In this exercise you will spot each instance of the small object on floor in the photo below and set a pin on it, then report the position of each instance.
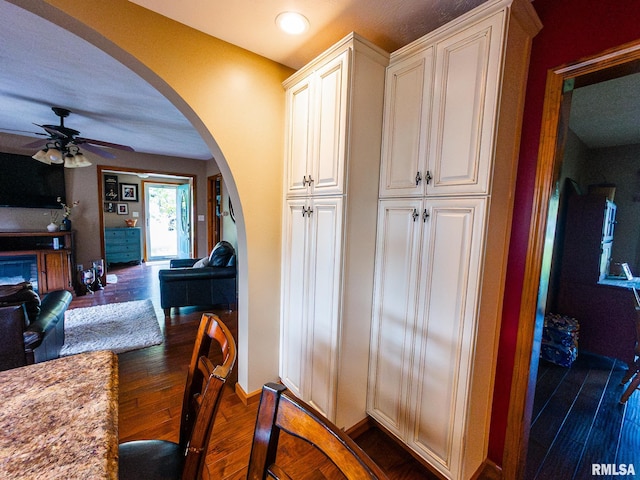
(559, 339)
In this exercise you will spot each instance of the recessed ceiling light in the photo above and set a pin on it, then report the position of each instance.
(292, 23)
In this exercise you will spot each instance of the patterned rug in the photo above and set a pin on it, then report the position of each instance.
(119, 327)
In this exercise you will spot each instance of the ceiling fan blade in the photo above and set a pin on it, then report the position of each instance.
(80, 140)
(98, 151)
(37, 144)
(21, 131)
(53, 130)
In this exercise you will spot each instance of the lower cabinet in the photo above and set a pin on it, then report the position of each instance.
(310, 303)
(424, 324)
(122, 245)
(55, 268)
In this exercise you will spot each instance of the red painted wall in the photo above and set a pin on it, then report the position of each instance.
(572, 29)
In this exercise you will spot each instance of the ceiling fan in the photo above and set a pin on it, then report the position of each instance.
(62, 144)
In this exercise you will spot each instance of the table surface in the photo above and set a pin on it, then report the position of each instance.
(59, 419)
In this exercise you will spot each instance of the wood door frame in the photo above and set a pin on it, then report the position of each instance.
(548, 166)
(102, 169)
(214, 222)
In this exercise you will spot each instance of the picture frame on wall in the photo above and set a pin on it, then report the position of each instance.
(128, 192)
(109, 207)
(123, 209)
(111, 188)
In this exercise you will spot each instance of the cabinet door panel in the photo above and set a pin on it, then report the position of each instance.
(331, 86)
(294, 292)
(446, 327)
(324, 304)
(406, 124)
(396, 279)
(57, 271)
(298, 146)
(464, 110)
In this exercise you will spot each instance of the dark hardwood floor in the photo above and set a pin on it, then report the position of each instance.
(577, 420)
(152, 382)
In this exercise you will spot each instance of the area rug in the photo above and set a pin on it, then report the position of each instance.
(119, 327)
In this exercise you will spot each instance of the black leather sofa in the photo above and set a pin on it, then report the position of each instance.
(23, 341)
(204, 282)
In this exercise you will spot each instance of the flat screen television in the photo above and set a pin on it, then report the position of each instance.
(25, 182)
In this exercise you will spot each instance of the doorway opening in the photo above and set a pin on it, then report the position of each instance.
(540, 284)
(168, 215)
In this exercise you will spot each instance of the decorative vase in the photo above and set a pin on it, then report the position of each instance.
(65, 226)
(52, 227)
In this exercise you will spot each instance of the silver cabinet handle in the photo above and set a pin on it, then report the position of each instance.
(428, 177)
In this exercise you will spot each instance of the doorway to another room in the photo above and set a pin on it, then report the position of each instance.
(168, 220)
(147, 215)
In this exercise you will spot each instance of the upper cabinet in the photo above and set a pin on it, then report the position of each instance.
(441, 109)
(406, 124)
(317, 110)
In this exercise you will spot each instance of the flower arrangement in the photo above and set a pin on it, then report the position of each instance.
(66, 209)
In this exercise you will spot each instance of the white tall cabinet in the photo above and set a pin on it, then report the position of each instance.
(453, 104)
(332, 147)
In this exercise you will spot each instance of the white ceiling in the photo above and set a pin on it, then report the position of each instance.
(43, 65)
(607, 114)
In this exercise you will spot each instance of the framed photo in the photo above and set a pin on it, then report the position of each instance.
(109, 207)
(111, 188)
(123, 209)
(128, 192)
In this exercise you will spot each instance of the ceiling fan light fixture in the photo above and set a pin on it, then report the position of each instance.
(81, 160)
(41, 156)
(55, 156)
(293, 23)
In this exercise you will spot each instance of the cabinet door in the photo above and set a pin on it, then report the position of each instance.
(445, 329)
(467, 82)
(407, 113)
(324, 259)
(298, 140)
(331, 85)
(293, 329)
(394, 310)
(56, 270)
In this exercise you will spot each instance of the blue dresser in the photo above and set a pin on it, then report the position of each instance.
(122, 245)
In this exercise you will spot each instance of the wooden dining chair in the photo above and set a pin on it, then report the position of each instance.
(280, 411)
(161, 459)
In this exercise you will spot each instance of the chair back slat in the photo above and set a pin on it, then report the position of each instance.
(203, 392)
(280, 411)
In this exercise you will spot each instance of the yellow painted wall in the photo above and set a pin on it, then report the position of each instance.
(236, 102)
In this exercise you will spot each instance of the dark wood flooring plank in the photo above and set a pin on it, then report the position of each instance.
(544, 430)
(568, 447)
(602, 444)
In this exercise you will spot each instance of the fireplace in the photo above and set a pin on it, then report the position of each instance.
(19, 268)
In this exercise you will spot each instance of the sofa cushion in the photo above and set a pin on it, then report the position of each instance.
(21, 293)
(203, 262)
(221, 254)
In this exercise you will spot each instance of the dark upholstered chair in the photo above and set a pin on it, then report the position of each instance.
(160, 459)
(280, 411)
(29, 325)
(204, 282)
(12, 324)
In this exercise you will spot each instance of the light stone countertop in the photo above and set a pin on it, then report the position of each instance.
(59, 419)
